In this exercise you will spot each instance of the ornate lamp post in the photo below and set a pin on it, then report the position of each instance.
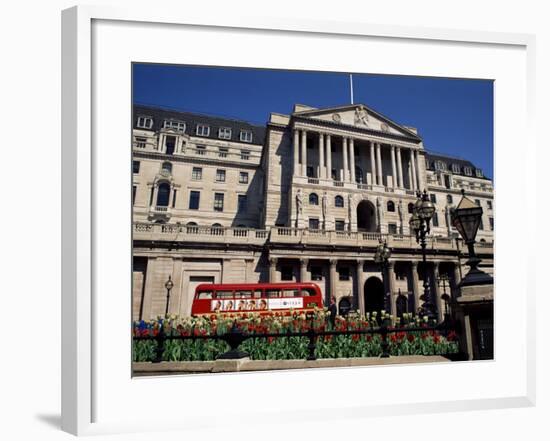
(420, 223)
(168, 285)
(381, 257)
(466, 218)
(443, 282)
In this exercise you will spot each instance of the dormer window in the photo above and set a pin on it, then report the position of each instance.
(224, 133)
(144, 122)
(479, 173)
(203, 130)
(440, 165)
(456, 168)
(468, 171)
(178, 126)
(246, 136)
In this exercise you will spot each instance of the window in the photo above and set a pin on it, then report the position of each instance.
(224, 133)
(492, 223)
(223, 152)
(478, 203)
(468, 171)
(340, 225)
(359, 175)
(410, 208)
(196, 174)
(449, 198)
(440, 165)
(141, 142)
(174, 125)
(343, 273)
(203, 130)
(201, 150)
(313, 199)
(242, 204)
(167, 167)
(220, 175)
(433, 198)
(338, 201)
(246, 136)
(479, 173)
(490, 205)
(316, 273)
(134, 190)
(163, 195)
(287, 273)
(243, 178)
(392, 228)
(332, 174)
(313, 224)
(170, 144)
(144, 122)
(135, 166)
(391, 206)
(456, 168)
(194, 200)
(481, 224)
(435, 220)
(218, 201)
(245, 155)
(309, 171)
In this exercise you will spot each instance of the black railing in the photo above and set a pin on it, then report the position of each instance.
(235, 336)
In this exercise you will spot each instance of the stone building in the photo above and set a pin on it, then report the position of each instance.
(305, 197)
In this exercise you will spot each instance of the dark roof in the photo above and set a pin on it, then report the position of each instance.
(192, 119)
(432, 157)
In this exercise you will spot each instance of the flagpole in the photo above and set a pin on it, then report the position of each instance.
(351, 87)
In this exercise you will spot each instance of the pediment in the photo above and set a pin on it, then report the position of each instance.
(358, 116)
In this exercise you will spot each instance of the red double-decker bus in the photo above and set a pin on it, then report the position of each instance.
(255, 297)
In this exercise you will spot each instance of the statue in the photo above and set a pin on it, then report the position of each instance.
(379, 214)
(361, 116)
(350, 204)
(325, 205)
(400, 212)
(299, 202)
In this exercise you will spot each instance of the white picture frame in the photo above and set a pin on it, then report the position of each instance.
(84, 387)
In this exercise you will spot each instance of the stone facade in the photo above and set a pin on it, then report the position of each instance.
(306, 197)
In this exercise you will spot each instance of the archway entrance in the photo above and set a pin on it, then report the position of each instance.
(366, 216)
(374, 294)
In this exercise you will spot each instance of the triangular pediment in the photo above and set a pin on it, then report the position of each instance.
(358, 116)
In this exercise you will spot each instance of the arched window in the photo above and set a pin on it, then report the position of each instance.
(391, 206)
(167, 167)
(217, 230)
(410, 208)
(313, 199)
(359, 178)
(216, 225)
(338, 201)
(192, 227)
(163, 195)
(483, 241)
(449, 198)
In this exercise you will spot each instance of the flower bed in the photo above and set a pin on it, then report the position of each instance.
(402, 342)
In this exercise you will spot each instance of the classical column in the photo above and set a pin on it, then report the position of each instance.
(333, 276)
(296, 152)
(438, 301)
(352, 159)
(304, 153)
(148, 290)
(457, 278)
(272, 269)
(329, 158)
(409, 174)
(379, 163)
(416, 293)
(399, 168)
(345, 155)
(303, 270)
(391, 288)
(419, 174)
(360, 286)
(393, 169)
(372, 164)
(413, 166)
(321, 156)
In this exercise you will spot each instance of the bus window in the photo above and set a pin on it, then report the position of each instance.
(306, 292)
(243, 294)
(257, 294)
(290, 293)
(272, 293)
(204, 295)
(224, 294)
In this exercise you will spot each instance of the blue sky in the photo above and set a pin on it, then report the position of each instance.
(453, 116)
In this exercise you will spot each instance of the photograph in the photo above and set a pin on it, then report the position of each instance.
(287, 219)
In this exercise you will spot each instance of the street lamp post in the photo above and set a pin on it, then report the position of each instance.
(381, 257)
(168, 285)
(420, 223)
(443, 282)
